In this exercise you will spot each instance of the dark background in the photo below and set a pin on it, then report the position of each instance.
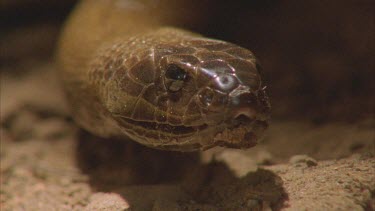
(317, 56)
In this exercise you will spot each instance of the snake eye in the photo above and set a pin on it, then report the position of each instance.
(174, 72)
(175, 77)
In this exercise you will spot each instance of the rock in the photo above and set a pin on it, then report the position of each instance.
(263, 157)
(52, 128)
(300, 159)
(107, 201)
(20, 124)
(237, 161)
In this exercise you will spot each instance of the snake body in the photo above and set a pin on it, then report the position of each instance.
(128, 73)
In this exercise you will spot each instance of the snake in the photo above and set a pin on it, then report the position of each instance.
(130, 72)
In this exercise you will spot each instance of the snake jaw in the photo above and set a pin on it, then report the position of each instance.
(248, 116)
(163, 127)
(244, 135)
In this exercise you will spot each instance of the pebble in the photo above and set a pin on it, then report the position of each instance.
(107, 201)
(52, 128)
(21, 125)
(303, 159)
(264, 157)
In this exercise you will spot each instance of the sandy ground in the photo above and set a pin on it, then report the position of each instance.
(318, 153)
(48, 163)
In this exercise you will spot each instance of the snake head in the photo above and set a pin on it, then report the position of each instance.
(185, 93)
(230, 95)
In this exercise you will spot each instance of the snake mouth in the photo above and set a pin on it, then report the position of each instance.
(241, 135)
(164, 127)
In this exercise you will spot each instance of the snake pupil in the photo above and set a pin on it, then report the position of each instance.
(175, 77)
(174, 86)
(174, 72)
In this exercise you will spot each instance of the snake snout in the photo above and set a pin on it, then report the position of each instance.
(248, 106)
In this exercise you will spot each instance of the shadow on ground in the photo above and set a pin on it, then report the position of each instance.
(145, 177)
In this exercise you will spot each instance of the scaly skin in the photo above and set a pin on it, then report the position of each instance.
(127, 74)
